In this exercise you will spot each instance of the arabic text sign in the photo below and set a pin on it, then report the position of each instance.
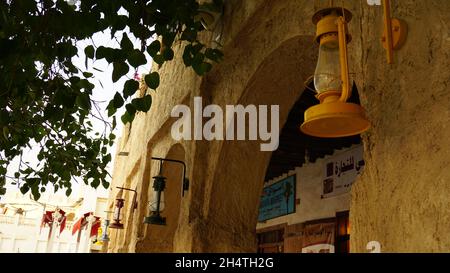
(319, 238)
(278, 199)
(341, 171)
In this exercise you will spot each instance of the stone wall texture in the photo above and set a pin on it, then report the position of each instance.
(401, 200)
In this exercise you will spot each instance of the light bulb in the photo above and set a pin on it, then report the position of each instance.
(154, 202)
(327, 76)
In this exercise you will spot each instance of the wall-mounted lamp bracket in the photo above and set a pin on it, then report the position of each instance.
(185, 180)
(135, 203)
(395, 32)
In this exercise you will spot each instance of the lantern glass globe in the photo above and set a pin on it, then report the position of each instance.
(154, 202)
(327, 76)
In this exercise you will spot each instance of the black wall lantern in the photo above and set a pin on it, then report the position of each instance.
(159, 184)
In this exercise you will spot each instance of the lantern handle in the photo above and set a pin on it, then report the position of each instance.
(346, 92)
(184, 181)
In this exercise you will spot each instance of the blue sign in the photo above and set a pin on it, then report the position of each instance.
(278, 199)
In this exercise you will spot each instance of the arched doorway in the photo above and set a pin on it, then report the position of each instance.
(236, 186)
(318, 207)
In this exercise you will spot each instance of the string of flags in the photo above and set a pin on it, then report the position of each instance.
(81, 223)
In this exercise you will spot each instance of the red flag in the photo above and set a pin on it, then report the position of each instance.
(77, 225)
(47, 219)
(80, 223)
(95, 226)
(62, 221)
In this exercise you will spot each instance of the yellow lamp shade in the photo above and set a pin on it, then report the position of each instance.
(337, 119)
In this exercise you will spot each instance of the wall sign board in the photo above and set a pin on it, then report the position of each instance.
(278, 199)
(341, 170)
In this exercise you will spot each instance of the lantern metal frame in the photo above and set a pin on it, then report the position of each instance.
(105, 237)
(159, 185)
(120, 202)
(334, 116)
(116, 224)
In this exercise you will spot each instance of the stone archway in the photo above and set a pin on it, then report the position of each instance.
(232, 205)
(161, 238)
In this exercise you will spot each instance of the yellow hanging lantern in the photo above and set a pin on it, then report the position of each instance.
(334, 116)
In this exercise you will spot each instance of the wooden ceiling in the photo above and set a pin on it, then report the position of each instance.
(294, 145)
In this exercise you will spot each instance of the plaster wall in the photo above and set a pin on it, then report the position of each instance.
(401, 200)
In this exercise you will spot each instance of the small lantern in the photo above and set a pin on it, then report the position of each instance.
(334, 116)
(105, 237)
(159, 184)
(156, 208)
(118, 206)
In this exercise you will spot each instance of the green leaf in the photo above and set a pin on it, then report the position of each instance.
(131, 109)
(168, 39)
(201, 68)
(87, 74)
(107, 158)
(105, 184)
(127, 117)
(111, 109)
(36, 195)
(189, 34)
(101, 52)
(24, 189)
(168, 54)
(95, 183)
(68, 192)
(214, 54)
(83, 101)
(136, 58)
(130, 87)
(119, 70)
(187, 55)
(89, 51)
(118, 100)
(154, 48)
(152, 80)
(125, 43)
(114, 124)
(146, 103)
(159, 59)
(143, 104)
